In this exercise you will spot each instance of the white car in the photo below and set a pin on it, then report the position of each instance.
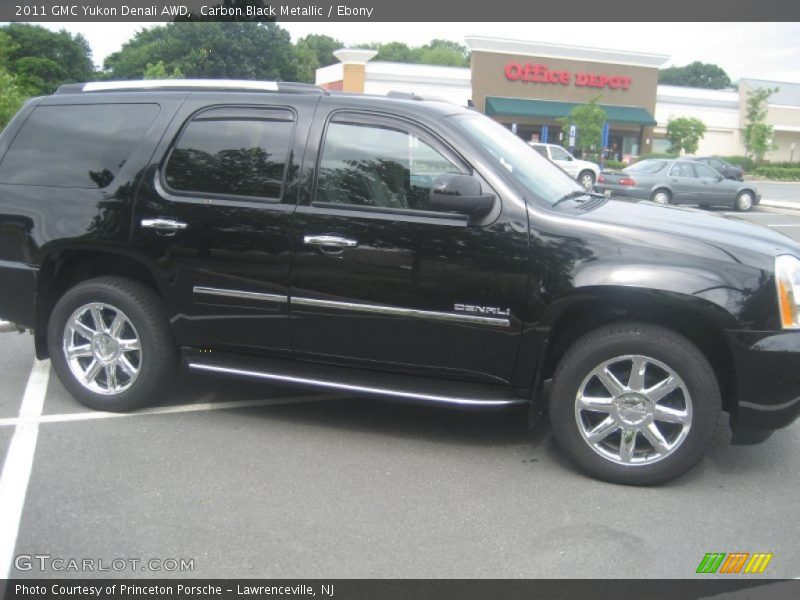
(583, 171)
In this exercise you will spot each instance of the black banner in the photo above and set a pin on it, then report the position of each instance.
(401, 589)
(391, 10)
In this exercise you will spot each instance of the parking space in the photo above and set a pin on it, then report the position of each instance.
(250, 480)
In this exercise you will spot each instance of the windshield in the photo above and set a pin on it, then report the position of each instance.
(535, 173)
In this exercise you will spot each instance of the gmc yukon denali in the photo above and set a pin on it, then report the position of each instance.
(388, 247)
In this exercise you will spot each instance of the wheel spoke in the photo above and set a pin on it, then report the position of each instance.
(129, 345)
(97, 317)
(595, 404)
(656, 438)
(79, 351)
(111, 376)
(671, 415)
(662, 389)
(92, 371)
(627, 444)
(636, 379)
(609, 381)
(605, 428)
(82, 330)
(126, 366)
(116, 325)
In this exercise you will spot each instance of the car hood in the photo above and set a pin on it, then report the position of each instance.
(734, 236)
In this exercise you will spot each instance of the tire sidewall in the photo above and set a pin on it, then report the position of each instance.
(147, 379)
(683, 358)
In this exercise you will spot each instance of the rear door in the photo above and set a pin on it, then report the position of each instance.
(379, 279)
(215, 216)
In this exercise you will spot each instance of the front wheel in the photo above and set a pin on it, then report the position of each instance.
(111, 345)
(586, 179)
(744, 201)
(634, 403)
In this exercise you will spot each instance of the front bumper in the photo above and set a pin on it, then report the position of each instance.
(767, 370)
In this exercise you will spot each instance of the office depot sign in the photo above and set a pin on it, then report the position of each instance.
(538, 73)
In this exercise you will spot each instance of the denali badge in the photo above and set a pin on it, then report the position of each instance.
(483, 310)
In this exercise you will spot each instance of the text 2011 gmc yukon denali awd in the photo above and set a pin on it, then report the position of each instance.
(390, 247)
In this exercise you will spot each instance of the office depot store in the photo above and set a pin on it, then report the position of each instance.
(528, 86)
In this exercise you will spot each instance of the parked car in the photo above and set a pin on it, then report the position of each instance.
(678, 182)
(385, 247)
(583, 171)
(723, 167)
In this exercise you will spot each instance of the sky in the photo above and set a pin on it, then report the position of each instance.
(750, 50)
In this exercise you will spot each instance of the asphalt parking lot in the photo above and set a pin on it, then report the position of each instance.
(255, 481)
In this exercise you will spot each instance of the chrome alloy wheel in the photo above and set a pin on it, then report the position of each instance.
(638, 422)
(102, 348)
(661, 198)
(745, 201)
(587, 181)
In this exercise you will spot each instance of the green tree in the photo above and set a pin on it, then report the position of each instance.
(757, 133)
(159, 71)
(214, 50)
(696, 74)
(12, 97)
(313, 52)
(588, 120)
(685, 133)
(41, 59)
(437, 52)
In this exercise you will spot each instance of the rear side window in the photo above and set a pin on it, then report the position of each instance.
(75, 146)
(541, 150)
(232, 152)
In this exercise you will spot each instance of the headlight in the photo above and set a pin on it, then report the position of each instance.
(787, 278)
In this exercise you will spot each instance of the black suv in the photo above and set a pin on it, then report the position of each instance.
(724, 168)
(390, 247)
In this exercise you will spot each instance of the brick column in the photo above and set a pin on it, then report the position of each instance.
(354, 68)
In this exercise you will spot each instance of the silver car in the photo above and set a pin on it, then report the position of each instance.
(678, 182)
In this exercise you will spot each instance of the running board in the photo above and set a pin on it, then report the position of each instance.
(362, 382)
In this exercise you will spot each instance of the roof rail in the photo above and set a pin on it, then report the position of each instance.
(403, 95)
(191, 84)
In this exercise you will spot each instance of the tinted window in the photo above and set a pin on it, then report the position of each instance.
(646, 166)
(704, 171)
(559, 153)
(372, 165)
(230, 152)
(682, 169)
(77, 146)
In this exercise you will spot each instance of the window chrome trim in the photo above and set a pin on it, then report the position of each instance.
(434, 398)
(212, 291)
(402, 312)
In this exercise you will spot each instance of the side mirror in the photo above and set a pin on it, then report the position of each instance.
(460, 193)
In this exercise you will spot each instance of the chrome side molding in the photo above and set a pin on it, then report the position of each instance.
(358, 389)
(212, 291)
(403, 312)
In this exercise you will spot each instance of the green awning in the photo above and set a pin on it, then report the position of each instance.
(551, 109)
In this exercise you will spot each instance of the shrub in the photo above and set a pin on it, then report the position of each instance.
(615, 165)
(779, 173)
(655, 155)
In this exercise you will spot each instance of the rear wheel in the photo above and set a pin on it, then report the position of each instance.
(634, 403)
(744, 201)
(586, 179)
(661, 196)
(111, 345)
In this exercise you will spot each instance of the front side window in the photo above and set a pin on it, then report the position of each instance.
(378, 166)
(76, 146)
(706, 172)
(559, 153)
(232, 153)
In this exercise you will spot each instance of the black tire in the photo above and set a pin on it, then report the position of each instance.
(660, 193)
(144, 311)
(661, 344)
(745, 201)
(587, 179)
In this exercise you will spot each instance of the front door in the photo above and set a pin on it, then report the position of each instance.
(215, 216)
(379, 279)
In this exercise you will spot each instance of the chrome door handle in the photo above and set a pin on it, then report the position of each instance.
(329, 241)
(166, 225)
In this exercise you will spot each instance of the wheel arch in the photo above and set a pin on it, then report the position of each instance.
(700, 321)
(62, 269)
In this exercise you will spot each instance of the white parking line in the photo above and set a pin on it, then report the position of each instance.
(165, 410)
(19, 461)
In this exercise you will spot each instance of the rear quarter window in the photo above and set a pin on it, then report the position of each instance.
(75, 146)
